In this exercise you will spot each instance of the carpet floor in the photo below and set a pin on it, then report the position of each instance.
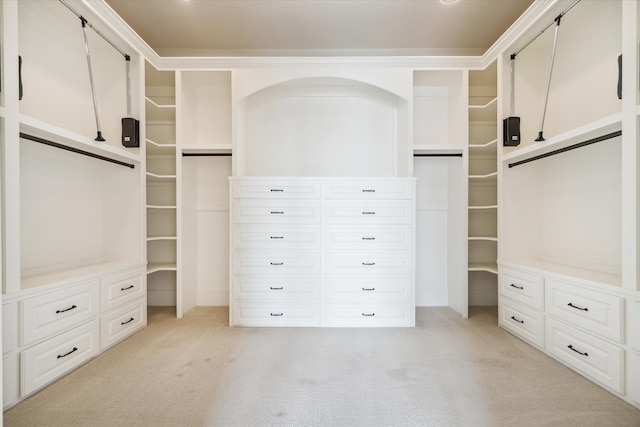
(447, 371)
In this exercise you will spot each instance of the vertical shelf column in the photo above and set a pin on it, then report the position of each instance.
(160, 148)
(483, 201)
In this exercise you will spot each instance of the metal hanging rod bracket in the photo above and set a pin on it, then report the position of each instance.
(74, 150)
(85, 22)
(555, 20)
(569, 148)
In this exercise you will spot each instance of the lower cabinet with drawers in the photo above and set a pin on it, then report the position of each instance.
(53, 329)
(322, 252)
(592, 328)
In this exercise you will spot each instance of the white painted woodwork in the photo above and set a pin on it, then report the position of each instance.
(363, 260)
(522, 287)
(522, 321)
(122, 322)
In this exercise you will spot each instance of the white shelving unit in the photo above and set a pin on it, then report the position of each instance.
(483, 186)
(161, 178)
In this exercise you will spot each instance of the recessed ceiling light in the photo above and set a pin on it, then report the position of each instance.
(448, 1)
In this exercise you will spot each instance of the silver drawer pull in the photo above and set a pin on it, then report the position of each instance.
(277, 190)
(60, 356)
(516, 319)
(277, 237)
(368, 289)
(368, 238)
(128, 321)
(276, 288)
(276, 314)
(517, 287)
(368, 191)
(127, 288)
(66, 309)
(368, 213)
(277, 213)
(368, 263)
(368, 314)
(276, 263)
(578, 308)
(578, 351)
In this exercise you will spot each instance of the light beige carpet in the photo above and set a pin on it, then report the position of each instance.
(447, 371)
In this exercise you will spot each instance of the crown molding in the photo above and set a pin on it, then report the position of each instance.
(117, 25)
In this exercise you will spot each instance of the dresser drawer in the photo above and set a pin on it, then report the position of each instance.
(522, 321)
(283, 263)
(122, 288)
(594, 311)
(276, 314)
(276, 189)
(522, 287)
(368, 289)
(276, 237)
(370, 314)
(587, 354)
(276, 288)
(276, 212)
(123, 322)
(633, 324)
(369, 263)
(49, 360)
(53, 312)
(354, 190)
(372, 237)
(399, 212)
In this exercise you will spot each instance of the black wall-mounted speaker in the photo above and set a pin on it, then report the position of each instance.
(130, 132)
(511, 131)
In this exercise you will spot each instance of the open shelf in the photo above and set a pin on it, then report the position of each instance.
(487, 267)
(565, 272)
(153, 267)
(207, 149)
(487, 112)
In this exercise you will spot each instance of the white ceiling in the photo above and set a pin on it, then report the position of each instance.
(319, 27)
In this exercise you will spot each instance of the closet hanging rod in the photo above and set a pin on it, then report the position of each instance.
(74, 150)
(83, 19)
(438, 155)
(555, 20)
(206, 154)
(570, 147)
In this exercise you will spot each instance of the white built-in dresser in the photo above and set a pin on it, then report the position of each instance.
(322, 252)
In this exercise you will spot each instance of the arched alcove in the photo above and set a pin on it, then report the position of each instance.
(323, 126)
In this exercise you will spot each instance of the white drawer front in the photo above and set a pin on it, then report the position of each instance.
(373, 212)
(368, 263)
(633, 376)
(633, 324)
(123, 322)
(276, 288)
(594, 311)
(369, 289)
(53, 312)
(47, 361)
(122, 288)
(599, 360)
(522, 321)
(354, 190)
(370, 314)
(276, 314)
(371, 237)
(276, 212)
(277, 263)
(276, 189)
(525, 288)
(276, 237)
